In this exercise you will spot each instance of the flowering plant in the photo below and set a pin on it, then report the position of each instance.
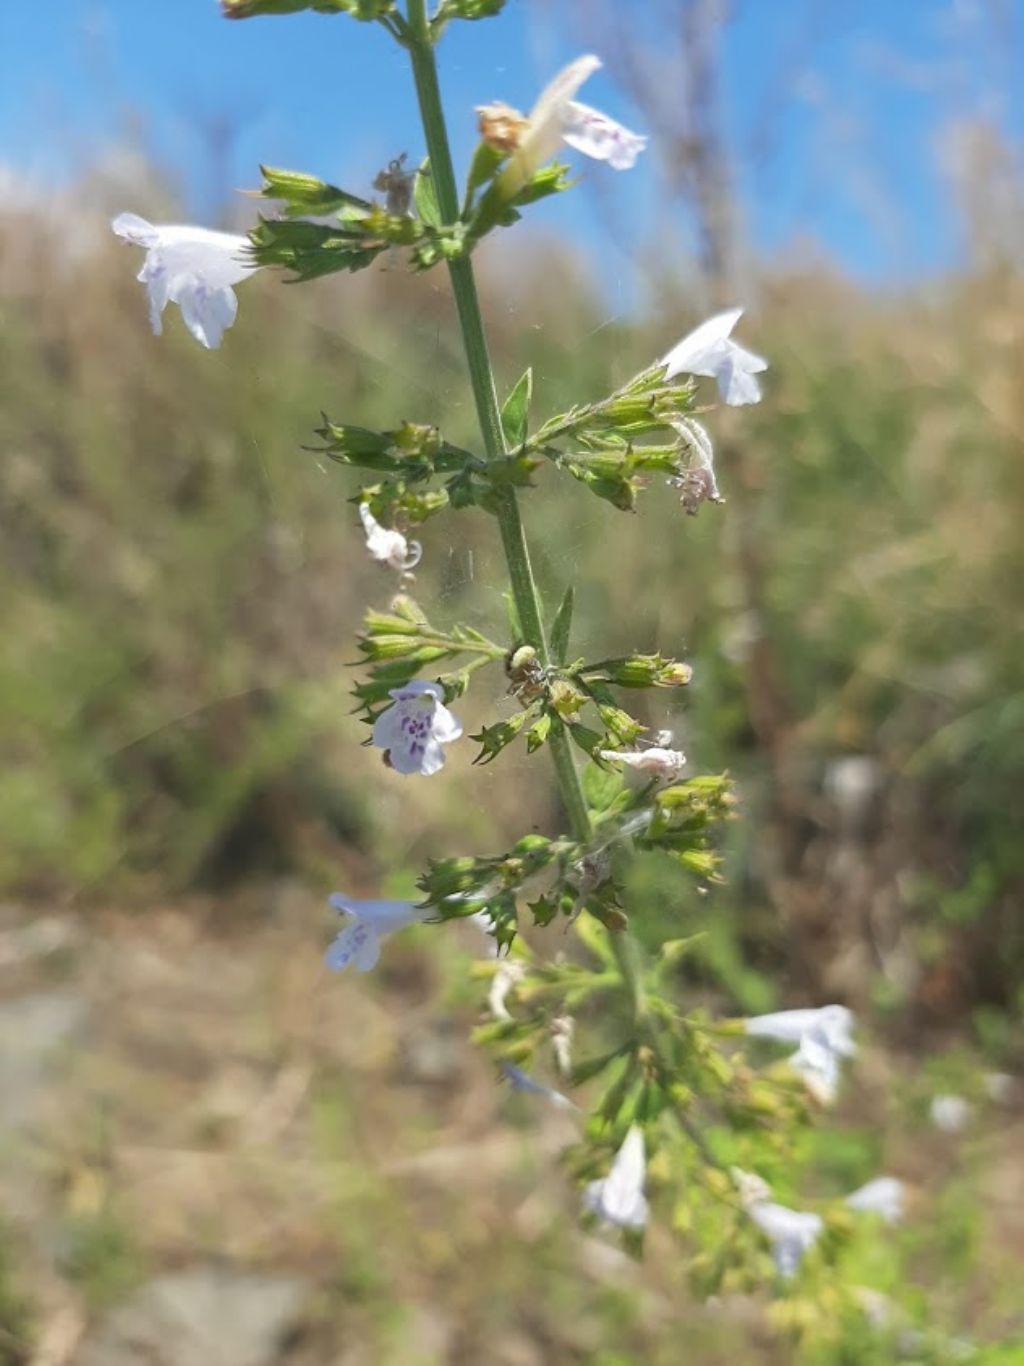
(675, 1107)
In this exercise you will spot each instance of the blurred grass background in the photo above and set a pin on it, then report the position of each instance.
(182, 780)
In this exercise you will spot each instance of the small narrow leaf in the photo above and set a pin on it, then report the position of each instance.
(561, 626)
(538, 733)
(485, 163)
(590, 741)
(425, 196)
(493, 739)
(516, 411)
(600, 787)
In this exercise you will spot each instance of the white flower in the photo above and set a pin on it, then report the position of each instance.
(522, 1081)
(831, 1026)
(662, 763)
(194, 268)
(618, 1198)
(562, 1029)
(820, 1067)
(388, 546)
(792, 1233)
(823, 1037)
(951, 1114)
(359, 941)
(413, 730)
(709, 351)
(557, 118)
(884, 1196)
(508, 975)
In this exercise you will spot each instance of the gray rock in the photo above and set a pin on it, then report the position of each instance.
(33, 1032)
(206, 1317)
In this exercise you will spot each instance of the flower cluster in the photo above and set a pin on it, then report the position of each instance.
(637, 1071)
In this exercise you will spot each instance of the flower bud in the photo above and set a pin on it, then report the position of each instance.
(643, 671)
(501, 126)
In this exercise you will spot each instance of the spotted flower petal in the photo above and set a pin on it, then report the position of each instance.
(413, 730)
(358, 943)
(598, 136)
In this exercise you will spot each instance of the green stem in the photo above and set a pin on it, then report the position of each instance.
(481, 374)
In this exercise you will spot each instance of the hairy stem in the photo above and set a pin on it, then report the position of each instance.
(513, 537)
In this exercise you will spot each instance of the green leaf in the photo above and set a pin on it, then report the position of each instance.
(251, 9)
(483, 168)
(516, 411)
(590, 741)
(588, 1068)
(358, 9)
(493, 739)
(311, 249)
(561, 626)
(425, 196)
(496, 209)
(601, 787)
(467, 9)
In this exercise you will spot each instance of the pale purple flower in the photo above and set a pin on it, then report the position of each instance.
(709, 350)
(194, 268)
(522, 1081)
(618, 1198)
(823, 1037)
(792, 1233)
(657, 761)
(388, 546)
(831, 1026)
(359, 942)
(412, 731)
(820, 1067)
(884, 1196)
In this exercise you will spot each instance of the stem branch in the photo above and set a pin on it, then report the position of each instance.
(481, 374)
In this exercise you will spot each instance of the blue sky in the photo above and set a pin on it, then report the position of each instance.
(837, 121)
